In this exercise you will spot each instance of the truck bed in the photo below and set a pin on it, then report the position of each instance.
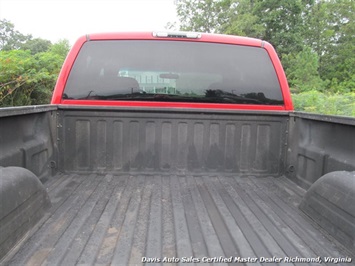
(125, 218)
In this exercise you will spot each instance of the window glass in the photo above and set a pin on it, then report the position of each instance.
(182, 71)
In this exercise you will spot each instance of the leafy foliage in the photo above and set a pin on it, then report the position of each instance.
(283, 23)
(325, 103)
(243, 21)
(36, 45)
(9, 37)
(302, 70)
(202, 15)
(27, 79)
(28, 67)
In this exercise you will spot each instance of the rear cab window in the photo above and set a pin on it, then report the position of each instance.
(173, 71)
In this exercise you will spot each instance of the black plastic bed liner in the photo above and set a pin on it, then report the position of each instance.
(122, 219)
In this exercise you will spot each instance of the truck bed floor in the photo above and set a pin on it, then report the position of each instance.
(122, 219)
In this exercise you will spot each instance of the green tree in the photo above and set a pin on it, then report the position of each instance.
(29, 79)
(202, 15)
(318, 31)
(16, 70)
(36, 46)
(278, 21)
(28, 67)
(302, 70)
(340, 61)
(283, 24)
(9, 37)
(242, 20)
(61, 48)
(330, 31)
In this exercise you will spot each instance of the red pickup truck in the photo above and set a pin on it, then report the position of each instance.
(173, 148)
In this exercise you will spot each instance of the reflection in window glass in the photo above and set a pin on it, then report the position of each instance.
(179, 71)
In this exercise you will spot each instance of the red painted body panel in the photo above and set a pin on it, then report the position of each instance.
(176, 105)
(212, 38)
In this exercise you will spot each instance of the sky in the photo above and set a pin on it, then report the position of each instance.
(69, 19)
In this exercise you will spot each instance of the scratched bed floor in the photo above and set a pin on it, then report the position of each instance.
(117, 219)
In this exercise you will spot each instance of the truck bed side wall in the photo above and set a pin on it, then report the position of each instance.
(28, 138)
(118, 139)
(319, 144)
